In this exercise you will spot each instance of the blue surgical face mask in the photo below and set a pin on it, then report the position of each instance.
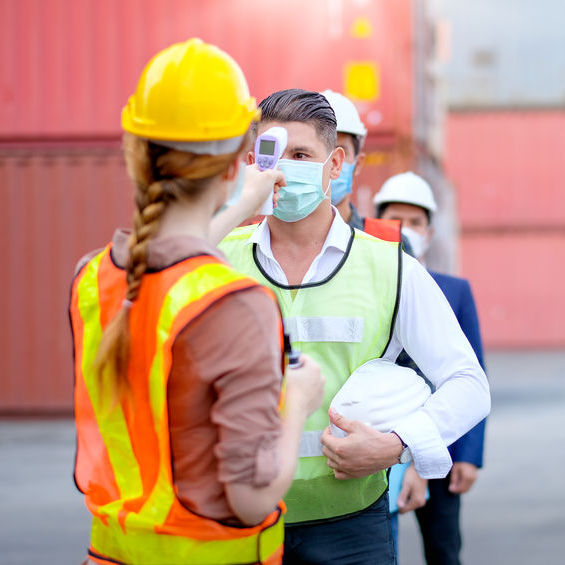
(234, 197)
(342, 185)
(303, 192)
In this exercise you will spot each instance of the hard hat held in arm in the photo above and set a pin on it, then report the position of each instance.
(348, 120)
(380, 394)
(191, 92)
(408, 188)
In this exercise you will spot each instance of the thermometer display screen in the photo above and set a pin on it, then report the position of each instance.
(267, 147)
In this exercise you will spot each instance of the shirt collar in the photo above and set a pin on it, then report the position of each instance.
(338, 236)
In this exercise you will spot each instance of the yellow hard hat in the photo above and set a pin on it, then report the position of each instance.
(191, 91)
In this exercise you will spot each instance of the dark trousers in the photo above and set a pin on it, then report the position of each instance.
(362, 539)
(439, 524)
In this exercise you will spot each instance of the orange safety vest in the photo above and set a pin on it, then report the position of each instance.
(123, 461)
(389, 230)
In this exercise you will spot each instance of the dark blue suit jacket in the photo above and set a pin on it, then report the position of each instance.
(468, 448)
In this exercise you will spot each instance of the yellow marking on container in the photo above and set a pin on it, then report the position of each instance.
(361, 28)
(376, 158)
(362, 80)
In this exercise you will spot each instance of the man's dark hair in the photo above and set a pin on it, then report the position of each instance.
(297, 105)
(380, 210)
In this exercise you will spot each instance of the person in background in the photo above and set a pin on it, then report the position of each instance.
(351, 133)
(409, 198)
(183, 454)
(345, 302)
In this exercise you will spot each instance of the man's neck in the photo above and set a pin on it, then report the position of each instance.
(296, 244)
(344, 208)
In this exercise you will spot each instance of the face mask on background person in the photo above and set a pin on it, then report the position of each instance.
(418, 242)
(235, 195)
(342, 185)
(303, 192)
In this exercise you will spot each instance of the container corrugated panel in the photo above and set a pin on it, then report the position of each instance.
(517, 283)
(508, 168)
(68, 67)
(57, 207)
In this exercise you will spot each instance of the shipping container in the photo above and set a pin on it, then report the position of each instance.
(505, 54)
(68, 67)
(517, 283)
(508, 168)
(58, 205)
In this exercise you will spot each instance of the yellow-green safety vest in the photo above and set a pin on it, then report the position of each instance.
(342, 322)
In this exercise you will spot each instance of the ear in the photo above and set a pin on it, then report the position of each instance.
(360, 163)
(232, 170)
(250, 158)
(336, 162)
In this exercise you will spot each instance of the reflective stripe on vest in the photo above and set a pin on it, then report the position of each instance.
(342, 322)
(324, 328)
(123, 463)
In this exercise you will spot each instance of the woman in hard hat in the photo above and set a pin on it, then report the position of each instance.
(181, 453)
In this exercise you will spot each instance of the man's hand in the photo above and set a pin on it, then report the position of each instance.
(413, 493)
(463, 475)
(363, 452)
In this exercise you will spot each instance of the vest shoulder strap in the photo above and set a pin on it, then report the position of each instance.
(389, 230)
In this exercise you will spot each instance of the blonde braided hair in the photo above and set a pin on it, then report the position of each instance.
(161, 176)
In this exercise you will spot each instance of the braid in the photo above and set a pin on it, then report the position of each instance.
(150, 201)
(161, 176)
(146, 219)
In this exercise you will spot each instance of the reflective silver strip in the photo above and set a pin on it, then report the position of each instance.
(310, 444)
(214, 147)
(325, 328)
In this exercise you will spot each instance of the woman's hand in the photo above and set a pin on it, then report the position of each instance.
(258, 185)
(257, 188)
(305, 386)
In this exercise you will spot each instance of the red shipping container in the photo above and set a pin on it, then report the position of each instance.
(68, 67)
(508, 167)
(516, 279)
(57, 206)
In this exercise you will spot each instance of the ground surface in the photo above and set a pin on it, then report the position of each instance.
(515, 514)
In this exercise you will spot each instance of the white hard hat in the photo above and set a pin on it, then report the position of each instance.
(408, 188)
(348, 120)
(379, 394)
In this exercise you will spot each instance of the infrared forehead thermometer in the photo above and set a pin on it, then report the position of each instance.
(269, 148)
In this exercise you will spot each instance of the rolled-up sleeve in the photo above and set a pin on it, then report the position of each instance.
(245, 372)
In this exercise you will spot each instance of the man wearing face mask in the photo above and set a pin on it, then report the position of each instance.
(409, 198)
(348, 298)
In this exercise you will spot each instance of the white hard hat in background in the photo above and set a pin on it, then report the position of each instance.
(408, 188)
(348, 120)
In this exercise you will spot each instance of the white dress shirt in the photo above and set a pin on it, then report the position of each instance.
(428, 330)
